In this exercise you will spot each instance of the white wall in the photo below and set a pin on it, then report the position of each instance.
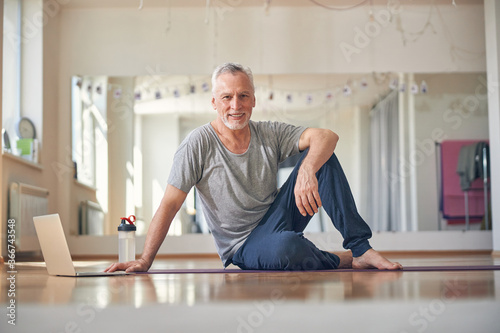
(352, 126)
(123, 42)
(120, 140)
(160, 139)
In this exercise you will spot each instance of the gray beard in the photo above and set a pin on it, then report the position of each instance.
(234, 127)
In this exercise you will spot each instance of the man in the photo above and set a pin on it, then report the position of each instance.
(233, 162)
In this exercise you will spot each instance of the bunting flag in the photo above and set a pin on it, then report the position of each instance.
(414, 88)
(309, 99)
(347, 90)
(364, 83)
(117, 93)
(423, 87)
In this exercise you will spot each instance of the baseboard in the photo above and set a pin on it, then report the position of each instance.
(437, 253)
(188, 256)
(94, 257)
(413, 241)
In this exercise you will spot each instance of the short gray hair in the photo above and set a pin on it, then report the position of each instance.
(232, 68)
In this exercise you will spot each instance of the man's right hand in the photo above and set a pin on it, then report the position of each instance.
(130, 266)
(158, 229)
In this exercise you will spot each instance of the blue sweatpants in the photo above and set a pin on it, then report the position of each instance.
(278, 242)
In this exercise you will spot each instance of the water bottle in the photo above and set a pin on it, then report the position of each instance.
(126, 239)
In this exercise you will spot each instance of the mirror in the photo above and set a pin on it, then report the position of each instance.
(126, 131)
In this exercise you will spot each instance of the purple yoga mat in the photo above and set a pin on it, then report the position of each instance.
(405, 269)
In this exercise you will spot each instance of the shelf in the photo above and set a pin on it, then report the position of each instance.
(21, 160)
(85, 186)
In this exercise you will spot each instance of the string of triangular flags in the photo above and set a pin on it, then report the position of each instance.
(348, 89)
(291, 96)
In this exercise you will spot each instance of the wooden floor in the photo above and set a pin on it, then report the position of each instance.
(463, 301)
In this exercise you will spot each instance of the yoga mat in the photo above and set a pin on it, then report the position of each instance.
(405, 269)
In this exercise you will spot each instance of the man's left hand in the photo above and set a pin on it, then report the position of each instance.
(306, 192)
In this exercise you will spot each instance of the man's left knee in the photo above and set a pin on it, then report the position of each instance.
(295, 251)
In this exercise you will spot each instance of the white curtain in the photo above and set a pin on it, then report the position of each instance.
(385, 194)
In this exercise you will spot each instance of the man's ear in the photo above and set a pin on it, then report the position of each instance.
(213, 103)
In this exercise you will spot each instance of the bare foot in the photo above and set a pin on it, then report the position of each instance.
(373, 259)
(345, 259)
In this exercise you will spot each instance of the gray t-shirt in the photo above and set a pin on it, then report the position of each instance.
(236, 190)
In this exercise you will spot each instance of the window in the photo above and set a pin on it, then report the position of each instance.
(11, 67)
(89, 129)
(23, 75)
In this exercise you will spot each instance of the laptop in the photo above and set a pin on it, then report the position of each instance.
(55, 249)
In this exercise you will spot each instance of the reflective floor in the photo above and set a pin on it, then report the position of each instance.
(462, 301)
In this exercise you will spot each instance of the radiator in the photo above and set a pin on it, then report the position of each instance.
(25, 202)
(91, 218)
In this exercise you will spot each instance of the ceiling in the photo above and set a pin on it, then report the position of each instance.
(332, 4)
